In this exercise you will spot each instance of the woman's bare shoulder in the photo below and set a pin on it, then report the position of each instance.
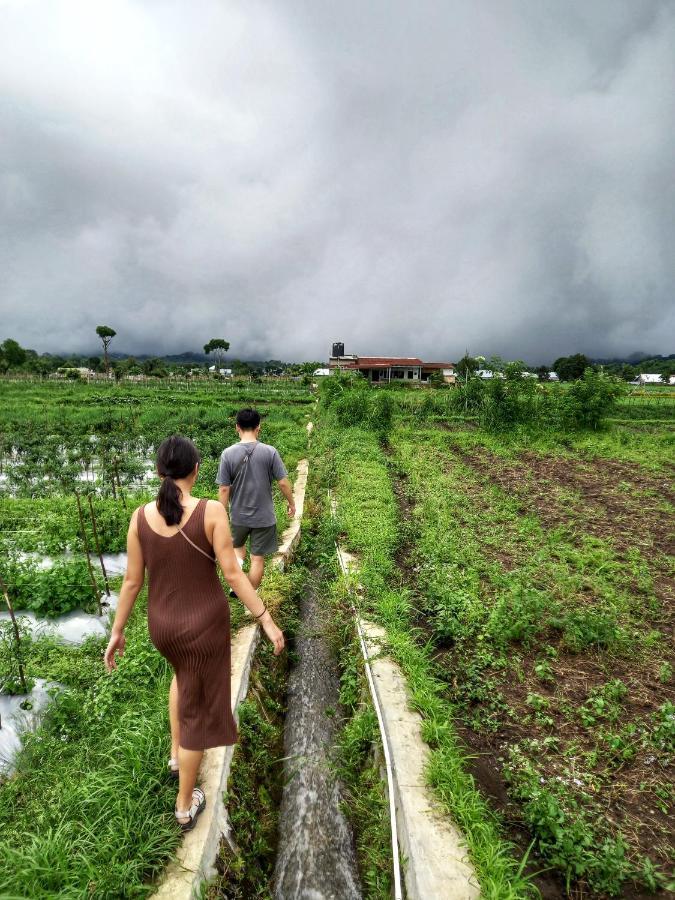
(214, 509)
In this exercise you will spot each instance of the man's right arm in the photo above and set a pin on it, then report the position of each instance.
(223, 481)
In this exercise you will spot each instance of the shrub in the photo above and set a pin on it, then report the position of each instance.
(588, 401)
(12, 655)
(50, 592)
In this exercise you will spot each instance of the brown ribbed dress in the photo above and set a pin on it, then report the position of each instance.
(189, 623)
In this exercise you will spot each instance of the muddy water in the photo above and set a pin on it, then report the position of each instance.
(316, 858)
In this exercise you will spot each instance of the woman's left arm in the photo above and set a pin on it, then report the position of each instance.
(134, 578)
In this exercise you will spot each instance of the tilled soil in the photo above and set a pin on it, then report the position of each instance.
(606, 498)
(614, 501)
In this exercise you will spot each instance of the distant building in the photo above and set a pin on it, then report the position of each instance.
(321, 372)
(69, 372)
(387, 369)
(226, 373)
(652, 378)
(487, 374)
(553, 376)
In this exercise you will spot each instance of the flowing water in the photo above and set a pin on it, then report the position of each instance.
(316, 858)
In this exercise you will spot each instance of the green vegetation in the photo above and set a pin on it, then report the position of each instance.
(106, 334)
(514, 541)
(50, 592)
(219, 347)
(504, 561)
(351, 462)
(22, 363)
(89, 810)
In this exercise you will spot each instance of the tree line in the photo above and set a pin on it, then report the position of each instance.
(17, 359)
(571, 368)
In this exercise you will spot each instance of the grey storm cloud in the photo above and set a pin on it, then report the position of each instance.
(409, 178)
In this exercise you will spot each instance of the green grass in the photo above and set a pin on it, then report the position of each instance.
(89, 811)
(487, 606)
(353, 465)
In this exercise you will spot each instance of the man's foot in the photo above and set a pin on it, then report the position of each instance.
(232, 594)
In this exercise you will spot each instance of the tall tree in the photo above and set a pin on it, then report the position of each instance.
(467, 366)
(13, 353)
(569, 368)
(106, 333)
(219, 347)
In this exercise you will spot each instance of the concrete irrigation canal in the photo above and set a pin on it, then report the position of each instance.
(316, 855)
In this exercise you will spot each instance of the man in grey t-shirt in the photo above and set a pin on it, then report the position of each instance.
(245, 476)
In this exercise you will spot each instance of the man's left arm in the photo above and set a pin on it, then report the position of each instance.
(285, 486)
(287, 490)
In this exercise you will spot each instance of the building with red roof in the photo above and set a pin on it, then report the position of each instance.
(386, 369)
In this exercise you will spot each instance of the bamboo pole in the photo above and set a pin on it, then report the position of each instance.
(119, 484)
(85, 541)
(97, 544)
(17, 636)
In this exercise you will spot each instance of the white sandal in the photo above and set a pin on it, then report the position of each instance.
(198, 806)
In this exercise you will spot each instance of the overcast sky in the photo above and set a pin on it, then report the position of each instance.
(412, 178)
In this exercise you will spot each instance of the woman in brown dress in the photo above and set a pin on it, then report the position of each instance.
(179, 539)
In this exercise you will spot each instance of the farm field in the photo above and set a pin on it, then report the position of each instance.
(87, 808)
(525, 582)
(527, 585)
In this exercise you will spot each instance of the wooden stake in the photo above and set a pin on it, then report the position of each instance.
(17, 636)
(98, 545)
(85, 541)
(119, 484)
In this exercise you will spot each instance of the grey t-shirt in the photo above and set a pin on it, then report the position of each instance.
(251, 494)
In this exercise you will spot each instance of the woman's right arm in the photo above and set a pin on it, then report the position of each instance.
(134, 578)
(238, 581)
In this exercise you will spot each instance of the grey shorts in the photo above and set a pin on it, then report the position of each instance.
(264, 541)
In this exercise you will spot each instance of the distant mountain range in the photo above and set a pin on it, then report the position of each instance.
(191, 357)
(634, 359)
(640, 359)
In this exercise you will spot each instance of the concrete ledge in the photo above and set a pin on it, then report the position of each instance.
(195, 858)
(437, 858)
(291, 535)
(437, 864)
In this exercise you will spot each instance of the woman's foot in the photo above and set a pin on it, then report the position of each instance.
(187, 818)
(173, 767)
